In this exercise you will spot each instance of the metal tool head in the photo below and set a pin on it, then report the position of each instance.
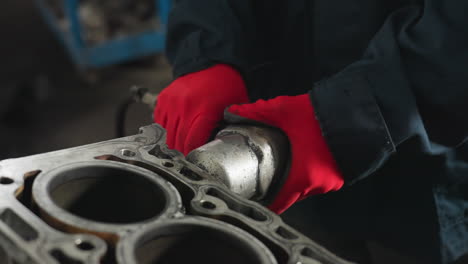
(246, 159)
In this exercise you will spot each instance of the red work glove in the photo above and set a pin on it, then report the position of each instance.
(313, 169)
(193, 105)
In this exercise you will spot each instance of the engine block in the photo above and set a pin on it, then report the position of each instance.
(131, 200)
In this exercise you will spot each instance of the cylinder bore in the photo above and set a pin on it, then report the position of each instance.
(105, 193)
(206, 242)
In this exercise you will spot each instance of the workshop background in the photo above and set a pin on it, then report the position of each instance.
(46, 103)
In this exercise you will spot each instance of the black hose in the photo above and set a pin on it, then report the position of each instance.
(137, 94)
(122, 116)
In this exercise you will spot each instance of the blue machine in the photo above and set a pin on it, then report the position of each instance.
(111, 52)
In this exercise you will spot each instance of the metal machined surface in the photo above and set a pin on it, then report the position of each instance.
(244, 158)
(131, 200)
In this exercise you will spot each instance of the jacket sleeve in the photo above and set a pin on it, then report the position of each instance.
(410, 87)
(202, 33)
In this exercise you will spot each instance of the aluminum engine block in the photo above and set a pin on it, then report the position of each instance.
(131, 200)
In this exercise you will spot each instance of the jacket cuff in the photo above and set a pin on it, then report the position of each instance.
(194, 65)
(352, 124)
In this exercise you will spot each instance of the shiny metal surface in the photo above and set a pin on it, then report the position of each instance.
(246, 159)
(132, 200)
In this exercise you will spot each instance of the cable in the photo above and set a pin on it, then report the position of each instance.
(122, 115)
(137, 95)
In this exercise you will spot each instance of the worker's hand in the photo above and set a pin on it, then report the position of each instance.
(193, 105)
(313, 169)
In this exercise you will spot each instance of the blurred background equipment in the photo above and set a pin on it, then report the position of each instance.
(46, 102)
(98, 33)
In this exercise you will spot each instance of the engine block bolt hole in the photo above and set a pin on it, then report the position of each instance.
(168, 164)
(208, 205)
(84, 245)
(5, 180)
(128, 153)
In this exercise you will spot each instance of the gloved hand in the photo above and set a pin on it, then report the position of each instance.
(193, 105)
(313, 169)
